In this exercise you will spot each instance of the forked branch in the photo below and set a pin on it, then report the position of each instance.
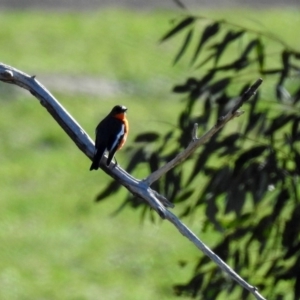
(197, 142)
(139, 188)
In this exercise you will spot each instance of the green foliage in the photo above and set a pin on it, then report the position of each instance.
(55, 242)
(83, 43)
(245, 178)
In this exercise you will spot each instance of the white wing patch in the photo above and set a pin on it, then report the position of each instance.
(119, 136)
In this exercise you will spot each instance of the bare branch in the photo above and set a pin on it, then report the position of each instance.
(185, 231)
(79, 136)
(197, 142)
(139, 188)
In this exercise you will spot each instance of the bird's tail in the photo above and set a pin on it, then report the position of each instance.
(97, 158)
(94, 165)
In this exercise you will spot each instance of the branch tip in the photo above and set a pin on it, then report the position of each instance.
(247, 95)
(239, 113)
(194, 132)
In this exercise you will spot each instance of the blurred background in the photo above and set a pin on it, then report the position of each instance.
(55, 241)
(140, 4)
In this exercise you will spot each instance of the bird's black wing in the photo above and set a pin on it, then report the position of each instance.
(115, 140)
(102, 136)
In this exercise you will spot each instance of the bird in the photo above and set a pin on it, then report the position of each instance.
(111, 134)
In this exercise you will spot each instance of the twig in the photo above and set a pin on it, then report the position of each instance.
(185, 231)
(197, 142)
(140, 188)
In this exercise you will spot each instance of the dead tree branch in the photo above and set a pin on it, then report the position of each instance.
(139, 188)
(197, 142)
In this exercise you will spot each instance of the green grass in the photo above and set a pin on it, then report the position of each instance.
(56, 243)
(115, 43)
(105, 42)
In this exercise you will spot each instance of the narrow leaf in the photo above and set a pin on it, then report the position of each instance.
(295, 127)
(260, 51)
(207, 34)
(184, 23)
(281, 201)
(112, 188)
(229, 38)
(279, 122)
(180, 4)
(206, 60)
(138, 156)
(236, 65)
(147, 137)
(271, 71)
(249, 47)
(253, 121)
(181, 89)
(285, 56)
(207, 78)
(154, 162)
(292, 250)
(230, 140)
(185, 196)
(190, 85)
(184, 46)
(247, 156)
(235, 199)
(296, 55)
(219, 85)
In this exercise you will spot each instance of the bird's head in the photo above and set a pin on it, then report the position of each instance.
(119, 111)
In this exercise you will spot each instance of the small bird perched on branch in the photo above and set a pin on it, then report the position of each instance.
(111, 134)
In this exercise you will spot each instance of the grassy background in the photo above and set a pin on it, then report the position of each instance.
(55, 242)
